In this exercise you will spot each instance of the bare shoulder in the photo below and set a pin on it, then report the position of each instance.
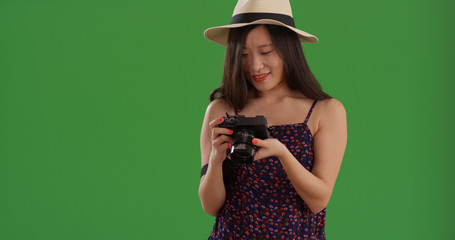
(327, 112)
(331, 110)
(217, 108)
(331, 106)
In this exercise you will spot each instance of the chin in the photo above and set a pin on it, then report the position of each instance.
(262, 88)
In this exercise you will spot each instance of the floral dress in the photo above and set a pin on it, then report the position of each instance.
(261, 202)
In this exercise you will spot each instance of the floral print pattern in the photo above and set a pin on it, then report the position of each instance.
(261, 202)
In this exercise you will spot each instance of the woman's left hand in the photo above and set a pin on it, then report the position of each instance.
(269, 147)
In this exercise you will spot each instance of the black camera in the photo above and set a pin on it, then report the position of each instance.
(244, 130)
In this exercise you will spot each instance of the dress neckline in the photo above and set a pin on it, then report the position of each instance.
(295, 124)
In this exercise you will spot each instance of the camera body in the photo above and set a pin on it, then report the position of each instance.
(244, 130)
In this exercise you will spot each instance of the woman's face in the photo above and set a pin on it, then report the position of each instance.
(260, 62)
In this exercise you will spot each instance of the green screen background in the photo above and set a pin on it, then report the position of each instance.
(101, 106)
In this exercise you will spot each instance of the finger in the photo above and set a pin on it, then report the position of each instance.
(216, 132)
(221, 140)
(221, 149)
(226, 145)
(258, 142)
(221, 145)
(215, 122)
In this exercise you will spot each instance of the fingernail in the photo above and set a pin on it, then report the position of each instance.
(231, 131)
(220, 119)
(255, 141)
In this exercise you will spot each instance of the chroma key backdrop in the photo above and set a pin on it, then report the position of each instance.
(101, 106)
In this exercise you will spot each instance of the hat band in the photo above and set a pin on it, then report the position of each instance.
(251, 17)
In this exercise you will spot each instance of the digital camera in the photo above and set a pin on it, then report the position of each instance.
(244, 130)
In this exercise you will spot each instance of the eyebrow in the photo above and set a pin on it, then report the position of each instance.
(263, 45)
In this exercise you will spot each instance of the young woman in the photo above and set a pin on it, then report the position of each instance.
(284, 193)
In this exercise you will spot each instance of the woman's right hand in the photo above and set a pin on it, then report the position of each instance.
(221, 141)
(214, 144)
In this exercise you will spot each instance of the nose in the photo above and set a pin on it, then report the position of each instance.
(256, 63)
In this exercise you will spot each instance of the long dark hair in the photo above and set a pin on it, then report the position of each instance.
(297, 74)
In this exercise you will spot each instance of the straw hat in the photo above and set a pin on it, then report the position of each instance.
(248, 12)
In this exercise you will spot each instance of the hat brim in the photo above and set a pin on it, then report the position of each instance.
(220, 34)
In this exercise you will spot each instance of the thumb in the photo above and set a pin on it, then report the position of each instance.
(258, 142)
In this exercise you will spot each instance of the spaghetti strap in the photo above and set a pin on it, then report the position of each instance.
(309, 112)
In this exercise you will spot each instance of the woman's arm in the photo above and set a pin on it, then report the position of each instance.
(315, 187)
(214, 143)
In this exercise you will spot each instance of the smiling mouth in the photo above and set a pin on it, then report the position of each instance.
(261, 77)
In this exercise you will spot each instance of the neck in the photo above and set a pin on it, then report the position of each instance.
(276, 95)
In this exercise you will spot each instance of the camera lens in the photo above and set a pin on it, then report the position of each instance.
(243, 150)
